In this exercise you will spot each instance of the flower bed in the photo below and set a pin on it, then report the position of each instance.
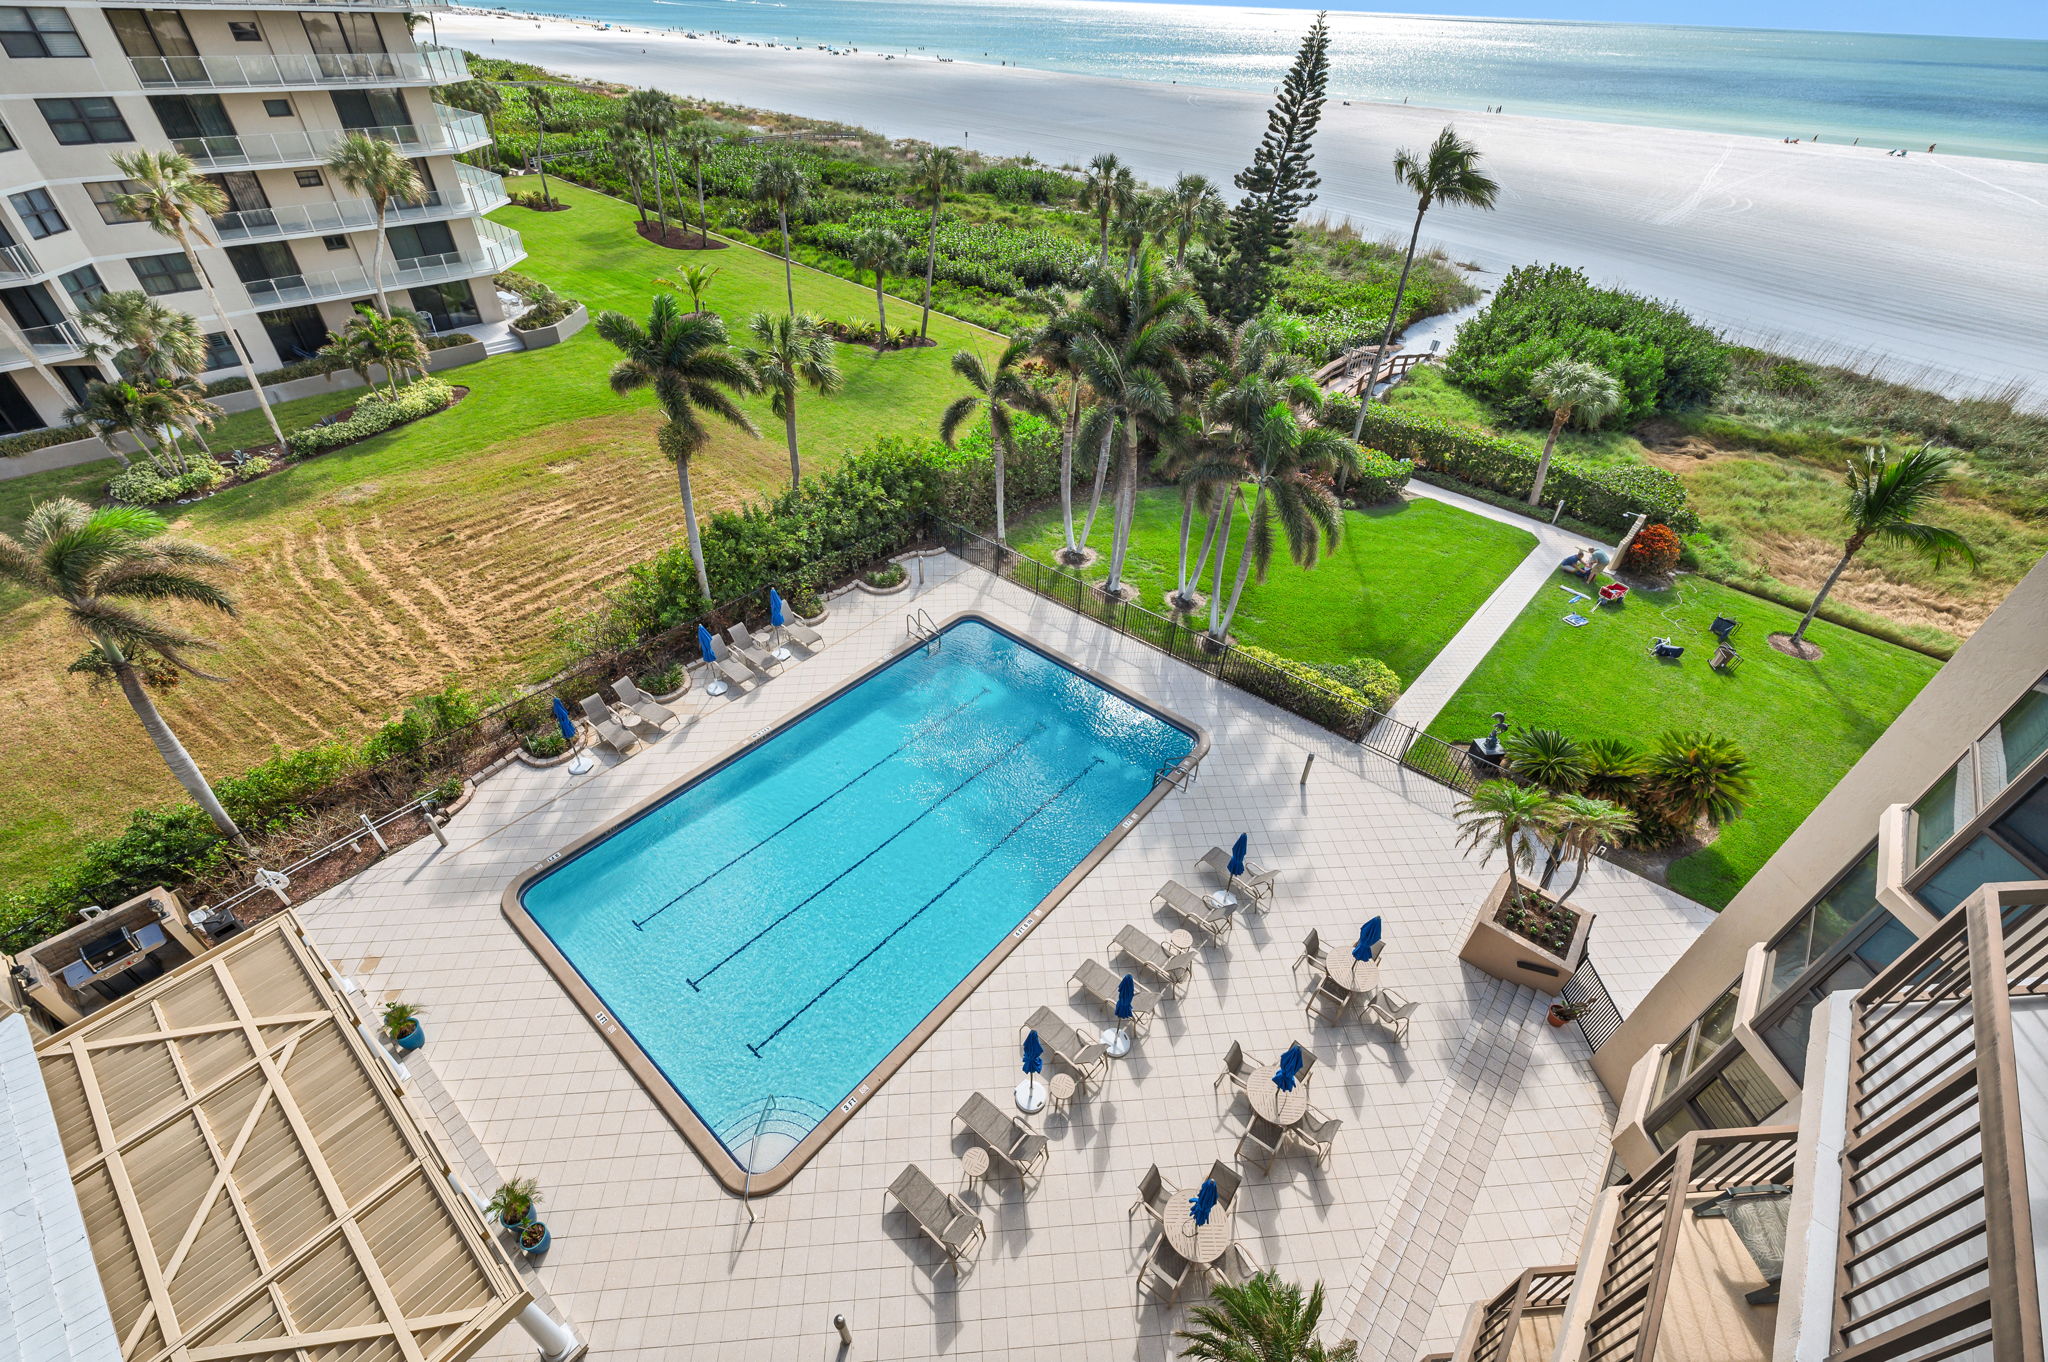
(378, 412)
(1538, 920)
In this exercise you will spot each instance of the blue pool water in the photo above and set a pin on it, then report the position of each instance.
(770, 932)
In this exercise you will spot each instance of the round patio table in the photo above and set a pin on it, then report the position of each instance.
(1281, 1108)
(1360, 976)
(1202, 1244)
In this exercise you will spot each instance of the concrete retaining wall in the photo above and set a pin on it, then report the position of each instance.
(541, 337)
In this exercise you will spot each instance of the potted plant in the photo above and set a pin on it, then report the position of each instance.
(533, 1238)
(513, 1203)
(1524, 933)
(402, 1024)
(1560, 1013)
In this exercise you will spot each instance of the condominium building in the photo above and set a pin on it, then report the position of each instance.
(258, 95)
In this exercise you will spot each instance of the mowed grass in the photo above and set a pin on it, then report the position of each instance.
(447, 550)
(1402, 581)
(1802, 724)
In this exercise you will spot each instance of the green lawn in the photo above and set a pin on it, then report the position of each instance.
(1399, 585)
(1803, 724)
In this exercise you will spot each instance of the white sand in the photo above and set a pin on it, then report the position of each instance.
(1938, 265)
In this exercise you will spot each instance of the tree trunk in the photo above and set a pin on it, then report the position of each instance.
(881, 312)
(1557, 421)
(1187, 529)
(540, 156)
(1849, 551)
(1222, 556)
(931, 260)
(1393, 320)
(170, 749)
(690, 520)
(1578, 873)
(660, 200)
(1000, 456)
(235, 340)
(1208, 543)
(796, 468)
(1101, 476)
(1244, 562)
(1126, 509)
(703, 220)
(1067, 464)
(639, 204)
(377, 262)
(788, 270)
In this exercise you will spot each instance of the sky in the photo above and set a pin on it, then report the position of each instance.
(1983, 19)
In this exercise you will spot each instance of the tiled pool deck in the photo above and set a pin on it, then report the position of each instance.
(1467, 1154)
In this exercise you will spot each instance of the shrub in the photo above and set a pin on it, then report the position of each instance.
(16, 445)
(142, 485)
(1607, 497)
(663, 680)
(255, 466)
(314, 367)
(544, 742)
(1306, 690)
(1654, 552)
(377, 411)
(1381, 477)
(159, 846)
(1374, 680)
(888, 575)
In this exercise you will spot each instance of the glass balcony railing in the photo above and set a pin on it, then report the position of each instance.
(316, 4)
(475, 191)
(452, 131)
(498, 248)
(278, 70)
(18, 262)
(59, 340)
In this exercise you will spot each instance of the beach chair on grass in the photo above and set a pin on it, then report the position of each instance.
(1171, 965)
(1725, 658)
(637, 701)
(944, 1218)
(1193, 909)
(1255, 886)
(1666, 650)
(1722, 628)
(750, 652)
(609, 730)
(1083, 1054)
(1096, 980)
(1008, 1138)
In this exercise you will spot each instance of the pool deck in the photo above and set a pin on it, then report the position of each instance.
(1467, 1154)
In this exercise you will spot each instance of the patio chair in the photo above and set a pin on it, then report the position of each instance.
(1083, 1054)
(1664, 648)
(1260, 1142)
(944, 1218)
(1193, 909)
(1317, 1132)
(1237, 1266)
(1094, 978)
(1390, 1011)
(750, 652)
(609, 730)
(1722, 627)
(641, 703)
(1151, 1196)
(1226, 1179)
(1171, 965)
(1312, 953)
(1255, 885)
(1308, 1063)
(1164, 1272)
(1236, 1066)
(730, 671)
(643, 728)
(1330, 994)
(1008, 1138)
(803, 634)
(1725, 659)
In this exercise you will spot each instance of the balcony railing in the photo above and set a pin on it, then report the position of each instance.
(18, 262)
(452, 131)
(1937, 1241)
(316, 4)
(475, 191)
(279, 70)
(498, 248)
(1637, 1276)
(59, 340)
(1516, 1325)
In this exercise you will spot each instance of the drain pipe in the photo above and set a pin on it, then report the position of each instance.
(557, 1342)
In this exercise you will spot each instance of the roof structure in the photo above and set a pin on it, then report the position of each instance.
(252, 1182)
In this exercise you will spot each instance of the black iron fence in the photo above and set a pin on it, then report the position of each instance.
(1593, 1007)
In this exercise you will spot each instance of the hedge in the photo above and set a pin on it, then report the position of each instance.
(1608, 497)
(142, 485)
(314, 367)
(1304, 689)
(1380, 477)
(16, 445)
(377, 411)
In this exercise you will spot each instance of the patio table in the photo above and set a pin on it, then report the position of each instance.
(1199, 1244)
(1360, 976)
(1281, 1108)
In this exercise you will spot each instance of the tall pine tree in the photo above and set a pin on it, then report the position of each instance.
(1277, 185)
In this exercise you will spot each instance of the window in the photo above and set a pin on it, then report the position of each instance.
(39, 213)
(78, 122)
(16, 414)
(370, 108)
(161, 274)
(152, 33)
(7, 142)
(1934, 817)
(448, 306)
(334, 243)
(2023, 732)
(244, 31)
(105, 195)
(1814, 932)
(220, 352)
(1883, 940)
(76, 378)
(421, 241)
(2013, 847)
(83, 284)
(35, 32)
(334, 34)
(297, 332)
(1738, 1095)
(31, 306)
(278, 108)
(264, 261)
(189, 116)
(309, 179)
(1698, 1043)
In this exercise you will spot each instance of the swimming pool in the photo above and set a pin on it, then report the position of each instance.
(767, 940)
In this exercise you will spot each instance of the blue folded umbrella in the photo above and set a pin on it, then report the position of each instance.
(775, 607)
(1203, 1202)
(1368, 937)
(1034, 1054)
(1290, 1065)
(563, 721)
(1237, 852)
(705, 645)
(1126, 993)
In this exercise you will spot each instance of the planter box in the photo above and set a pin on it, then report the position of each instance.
(1512, 956)
(542, 337)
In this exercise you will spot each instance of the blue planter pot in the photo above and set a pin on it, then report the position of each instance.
(413, 1039)
(535, 1250)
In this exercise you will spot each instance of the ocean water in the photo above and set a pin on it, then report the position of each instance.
(1979, 96)
(772, 931)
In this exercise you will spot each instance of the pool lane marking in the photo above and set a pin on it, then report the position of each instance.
(1000, 757)
(993, 849)
(641, 922)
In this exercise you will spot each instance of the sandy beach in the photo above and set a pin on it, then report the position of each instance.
(1934, 267)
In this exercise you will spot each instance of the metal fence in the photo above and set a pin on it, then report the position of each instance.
(1597, 1015)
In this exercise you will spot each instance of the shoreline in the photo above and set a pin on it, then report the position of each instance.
(1927, 268)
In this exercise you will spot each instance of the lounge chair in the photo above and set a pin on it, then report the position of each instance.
(643, 728)
(641, 703)
(1151, 1196)
(609, 729)
(1098, 983)
(1164, 1272)
(1725, 658)
(803, 634)
(1255, 886)
(1390, 1011)
(1193, 909)
(1260, 1142)
(1722, 627)
(1664, 648)
(1226, 1179)
(1317, 1133)
(1083, 1054)
(1170, 965)
(730, 671)
(945, 1219)
(750, 652)
(1237, 1067)
(1008, 1138)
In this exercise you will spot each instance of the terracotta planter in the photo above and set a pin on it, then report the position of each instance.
(1509, 955)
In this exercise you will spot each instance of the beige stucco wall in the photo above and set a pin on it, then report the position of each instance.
(2008, 653)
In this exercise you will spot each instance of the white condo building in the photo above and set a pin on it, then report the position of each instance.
(257, 95)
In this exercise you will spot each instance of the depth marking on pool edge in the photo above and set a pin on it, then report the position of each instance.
(640, 923)
(755, 1050)
(876, 850)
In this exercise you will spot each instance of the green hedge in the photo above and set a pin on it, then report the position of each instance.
(1310, 691)
(16, 445)
(1380, 478)
(141, 485)
(1607, 497)
(313, 368)
(377, 411)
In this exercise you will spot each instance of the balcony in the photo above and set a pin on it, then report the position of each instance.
(49, 344)
(288, 70)
(453, 131)
(475, 192)
(17, 262)
(311, 4)
(1521, 1323)
(498, 248)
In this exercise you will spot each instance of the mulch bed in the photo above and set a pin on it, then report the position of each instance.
(677, 238)
(1806, 650)
(845, 335)
(1541, 916)
(536, 206)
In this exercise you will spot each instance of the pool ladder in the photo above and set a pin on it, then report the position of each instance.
(919, 626)
(1179, 775)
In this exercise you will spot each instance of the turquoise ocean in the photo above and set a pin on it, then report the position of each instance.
(1976, 96)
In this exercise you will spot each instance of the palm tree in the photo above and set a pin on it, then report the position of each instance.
(696, 281)
(880, 250)
(1140, 216)
(1570, 388)
(652, 114)
(1495, 817)
(99, 565)
(937, 170)
(124, 407)
(172, 197)
(1694, 775)
(1103, 191)
(793, 353)
(379, 171)
(1291, 465)
(1262, 1320)
(695, 144)
(631, 159)
(371, 340)
(1548, 757)
(541, 99)
(145, 339)
(1884, 496)
(1584, 825)
(1006, 391)
(1194, 208)
(1056, 344)
(684, 358)
(1447, 173)
(783, 183)
(479, 96)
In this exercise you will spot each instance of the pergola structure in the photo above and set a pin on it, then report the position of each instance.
(253, 1182)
